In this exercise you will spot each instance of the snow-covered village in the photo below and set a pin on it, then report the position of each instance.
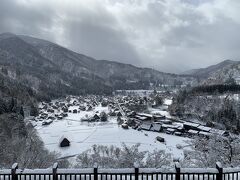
(119, 90)
(73, 125)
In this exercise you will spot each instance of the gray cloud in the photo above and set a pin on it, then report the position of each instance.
(22, 18)
(172, 36)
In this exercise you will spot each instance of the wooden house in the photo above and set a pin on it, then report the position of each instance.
(219, 132)
(83, 108)
(146, 127)
(204, 128)
(178, 133)
(124, 126)
(193, 132)
(64, 142)
(119, 113)
(170, 130)
(96, 117)
(89, 108)
(156, 127)
(190, 126)
(147, 116)
(204, 134)
(65, 109)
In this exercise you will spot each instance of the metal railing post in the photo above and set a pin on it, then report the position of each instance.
(178, 170)
(220, 171)
(13, 171)
(136, 171)
(54, 171)
(95, 172)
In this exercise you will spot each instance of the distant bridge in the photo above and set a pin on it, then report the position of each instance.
(136, 173)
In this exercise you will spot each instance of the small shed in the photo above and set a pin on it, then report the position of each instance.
(160, 139)
(124, 126)
(64, 142)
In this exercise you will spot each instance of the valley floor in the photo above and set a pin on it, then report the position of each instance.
(83, 135)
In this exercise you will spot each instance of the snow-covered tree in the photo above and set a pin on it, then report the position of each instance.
(206, 152)
(124, 157)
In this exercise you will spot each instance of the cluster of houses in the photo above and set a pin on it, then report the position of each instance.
(57, 110)
(127, 109)
(186, 129)
(157, 122)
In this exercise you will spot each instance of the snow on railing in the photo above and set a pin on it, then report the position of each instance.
(136, 173)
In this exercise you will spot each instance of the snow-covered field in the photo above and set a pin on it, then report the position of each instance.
(83, 135)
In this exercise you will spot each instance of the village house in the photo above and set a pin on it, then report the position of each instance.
(204, 128)
(119, 113)
(96, 117)
(192, 133)
(146, 127)
(170, 130)
(47, 122)
(204, 134)
(64, 142)
(191, 126)
(156, 127)
(146, 116)
(219, 132)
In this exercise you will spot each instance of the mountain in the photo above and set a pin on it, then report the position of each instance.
(208, 71)
(220, 73)
(25, 72)
(116, 75)
(46, 70)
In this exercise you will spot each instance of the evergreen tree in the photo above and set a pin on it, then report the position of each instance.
(22, 111)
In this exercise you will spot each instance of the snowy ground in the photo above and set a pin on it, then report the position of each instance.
(83, 135)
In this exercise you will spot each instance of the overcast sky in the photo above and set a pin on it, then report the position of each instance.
(168, 35)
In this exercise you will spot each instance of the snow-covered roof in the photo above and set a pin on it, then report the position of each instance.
(170, 126)
(191, 124)
(204, 128)
(62, 138)
(145, 115)
(141, 118)
(157, 127)
(217, 131)
(204, 133)
(146, 126)
(171, 130)
(193, 131)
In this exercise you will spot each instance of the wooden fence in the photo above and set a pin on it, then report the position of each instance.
(176, 173)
